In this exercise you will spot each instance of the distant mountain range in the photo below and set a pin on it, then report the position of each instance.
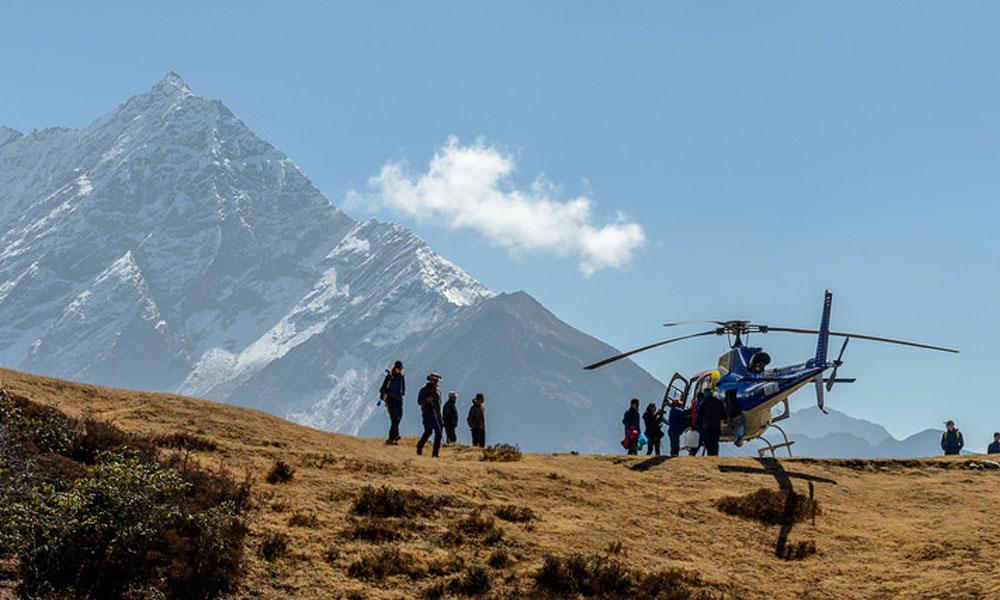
(166, 247)
(837, 435)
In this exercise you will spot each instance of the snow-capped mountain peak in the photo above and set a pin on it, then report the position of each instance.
(166, 247)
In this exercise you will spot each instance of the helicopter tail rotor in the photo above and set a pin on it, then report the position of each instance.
(836, 365)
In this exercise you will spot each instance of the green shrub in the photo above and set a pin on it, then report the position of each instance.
(95, 537)
(127, 526)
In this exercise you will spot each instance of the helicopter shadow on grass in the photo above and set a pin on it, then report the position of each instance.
(771, 466)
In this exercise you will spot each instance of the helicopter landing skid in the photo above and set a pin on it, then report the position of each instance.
(787, 445)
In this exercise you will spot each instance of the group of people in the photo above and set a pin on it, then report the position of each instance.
(707, 423)
(435, 416)
(952, 442)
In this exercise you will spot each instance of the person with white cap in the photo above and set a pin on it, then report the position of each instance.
(429, 400)
(450, 418)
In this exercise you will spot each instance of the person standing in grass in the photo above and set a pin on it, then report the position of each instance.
(450, 415)
(392, 391)
(477, 421)
(631, 422)
(654, 433)
(994, 448)
(429, 400)
(951, 439)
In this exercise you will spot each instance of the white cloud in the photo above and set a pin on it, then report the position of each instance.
(470, 187)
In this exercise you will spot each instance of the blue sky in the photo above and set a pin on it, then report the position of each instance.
(767, 150)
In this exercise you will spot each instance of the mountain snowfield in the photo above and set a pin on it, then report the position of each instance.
(165, 247)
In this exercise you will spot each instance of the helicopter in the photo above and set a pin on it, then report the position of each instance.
(747, 388)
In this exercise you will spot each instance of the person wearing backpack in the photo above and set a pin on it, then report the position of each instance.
(429, 399)
(392, 391)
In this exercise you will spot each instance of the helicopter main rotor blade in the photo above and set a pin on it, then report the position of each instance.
(864, 337)
(637, 350)
(721, 323)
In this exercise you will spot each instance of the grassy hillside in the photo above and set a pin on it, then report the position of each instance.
(551, 525)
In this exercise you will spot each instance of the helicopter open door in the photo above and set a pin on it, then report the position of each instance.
(677, 391)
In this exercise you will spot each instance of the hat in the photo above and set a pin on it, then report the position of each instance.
(434, 377)
(399, 364)
(949, 422)
(450, 394)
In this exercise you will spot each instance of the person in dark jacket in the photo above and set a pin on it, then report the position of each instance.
(392, 391)
(994, 448)
(708, 421)
(477, 421)
(654, 433)
(631, 422)
(678, 419)
(450, 415)
(429, 399)
(951, 440)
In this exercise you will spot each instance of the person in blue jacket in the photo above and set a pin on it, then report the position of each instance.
(631, 421)
(678, 419)
(951, 439)
(392, 391)
(994, 448)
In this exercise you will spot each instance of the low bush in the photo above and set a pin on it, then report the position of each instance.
(603, 577)
(182, 440)
(385, 501)
(374, 530)
(390, 561)
(771, 507)
(502, 453)
(798, 550)
(514, 513)
(281, 472)
(303, 519)
(500, 559)
(478, 526)
(274, 546)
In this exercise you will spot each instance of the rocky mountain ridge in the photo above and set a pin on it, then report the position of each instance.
(166, 247)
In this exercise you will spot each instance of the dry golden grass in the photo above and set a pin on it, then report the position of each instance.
(926, 528)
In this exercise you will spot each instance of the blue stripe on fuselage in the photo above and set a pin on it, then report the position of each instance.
(753, 389)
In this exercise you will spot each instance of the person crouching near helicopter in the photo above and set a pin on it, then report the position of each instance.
(708, 421)
(652, 419)
(429, 399)
(631, 422)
